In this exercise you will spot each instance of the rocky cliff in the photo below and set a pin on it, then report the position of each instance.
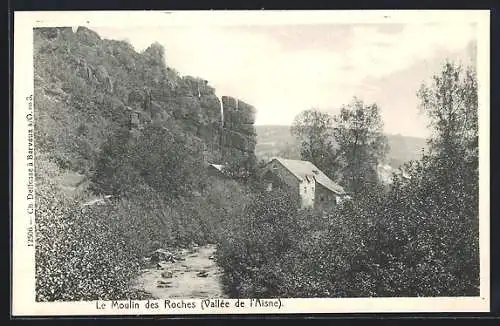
(87, 87)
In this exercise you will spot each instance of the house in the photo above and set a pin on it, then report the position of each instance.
(305, 181)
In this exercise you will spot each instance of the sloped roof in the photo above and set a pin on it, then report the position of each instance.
(219, 167)
(301, 169)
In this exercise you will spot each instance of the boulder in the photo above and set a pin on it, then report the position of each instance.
(237, 111)
(228, 102)
(202, 274)
(208, 132)
(197, 86)
(155, 258)
(162, 255)
(167, 274)
(237, 118)
(56, 92)
(86, 70)
(164, 286)
(154, 55)
(164, 282)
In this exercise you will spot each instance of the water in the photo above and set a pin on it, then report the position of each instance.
(184, 281)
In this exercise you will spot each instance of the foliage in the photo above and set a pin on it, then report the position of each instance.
(94, 252)
(313, 129)
(253, 242)
(362, 145)
(83, 85)
(348, 147)
(84, 89)
(450, 103)
(242, 168)
(280, 251)
(81, 253)
(159, 157)
(418, 239)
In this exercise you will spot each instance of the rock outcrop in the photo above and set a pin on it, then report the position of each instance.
(104, 79)
(54, 32)
(118, 85)
(238, 136)
(87, 36)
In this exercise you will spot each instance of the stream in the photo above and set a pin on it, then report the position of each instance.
(194, 274)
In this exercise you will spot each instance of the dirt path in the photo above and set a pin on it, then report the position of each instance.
(181, 279)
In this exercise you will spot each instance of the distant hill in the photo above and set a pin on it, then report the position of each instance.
(278, 141)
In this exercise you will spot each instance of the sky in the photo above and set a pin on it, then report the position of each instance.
(284, 69)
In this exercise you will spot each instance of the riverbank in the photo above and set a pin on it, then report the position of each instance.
(194, 274)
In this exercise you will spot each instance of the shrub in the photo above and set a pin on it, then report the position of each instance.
(81, 253)
(384, 245)
(79, 256)
(155, 175)
(253, 242)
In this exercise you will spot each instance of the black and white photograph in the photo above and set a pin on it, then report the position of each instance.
(257, 156)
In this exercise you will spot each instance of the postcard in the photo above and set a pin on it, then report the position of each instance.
(250, 162)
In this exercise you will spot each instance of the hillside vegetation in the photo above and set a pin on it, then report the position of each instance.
(88, 91)
(121, 126)
(419, 237)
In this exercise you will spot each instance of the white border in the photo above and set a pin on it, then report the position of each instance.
(23, 301)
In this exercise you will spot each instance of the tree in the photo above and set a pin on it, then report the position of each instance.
(313, 130)
(361, 144)
(159, 157)
(429, 227)
(114, 171)
(242, 167)
(169, 161)
(450, 103)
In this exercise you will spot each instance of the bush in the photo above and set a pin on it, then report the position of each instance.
(81, 253)
(79, 256)
(95, 252)
(428, 236)
(253, 242)
(155, 175)
(384, 245)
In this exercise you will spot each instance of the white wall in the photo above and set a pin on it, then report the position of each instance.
(306, 192)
